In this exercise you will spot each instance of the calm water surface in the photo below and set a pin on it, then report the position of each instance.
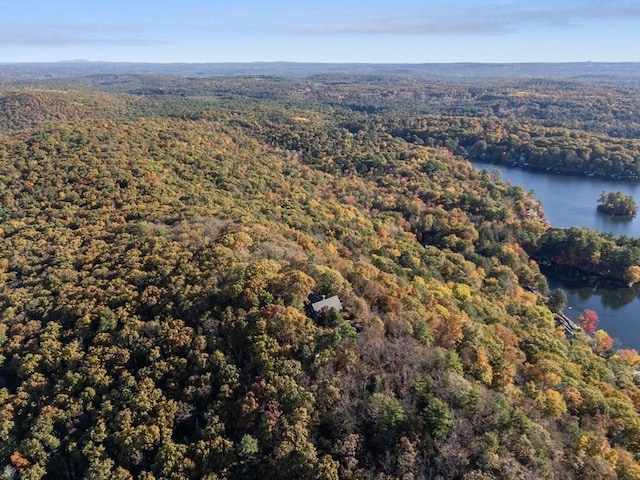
(618, 310)
(571, 201)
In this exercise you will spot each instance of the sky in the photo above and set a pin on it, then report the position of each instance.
(362, 31)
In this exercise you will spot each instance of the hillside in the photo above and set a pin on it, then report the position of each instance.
(597, 72)
(157, 247)
(559, 125)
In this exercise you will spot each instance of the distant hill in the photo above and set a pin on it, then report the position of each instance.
(599, 72)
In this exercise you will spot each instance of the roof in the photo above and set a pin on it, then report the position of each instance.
(331, 302)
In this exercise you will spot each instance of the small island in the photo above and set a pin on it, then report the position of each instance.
(617, 204)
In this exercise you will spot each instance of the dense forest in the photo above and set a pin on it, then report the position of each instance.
(160, 236)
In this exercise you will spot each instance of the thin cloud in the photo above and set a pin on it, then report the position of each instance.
(67, 34)
(401, 26)
(575, 12)
(488, 18)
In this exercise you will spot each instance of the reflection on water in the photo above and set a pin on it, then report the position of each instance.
(612, 298)
(619, 298)
(572, 201)
(618, 309)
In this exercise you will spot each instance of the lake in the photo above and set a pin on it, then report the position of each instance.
(571, 201)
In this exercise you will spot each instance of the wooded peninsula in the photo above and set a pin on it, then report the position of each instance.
(164, 239)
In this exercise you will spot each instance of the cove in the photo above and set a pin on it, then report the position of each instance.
(570, 201)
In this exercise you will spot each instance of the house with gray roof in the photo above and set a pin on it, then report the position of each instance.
(317, 305)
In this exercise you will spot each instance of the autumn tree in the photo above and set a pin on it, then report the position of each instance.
(588, 319)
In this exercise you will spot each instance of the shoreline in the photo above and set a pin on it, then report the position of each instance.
(556, 171)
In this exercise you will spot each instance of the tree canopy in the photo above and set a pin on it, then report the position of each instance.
(159, 238)
(617, 203)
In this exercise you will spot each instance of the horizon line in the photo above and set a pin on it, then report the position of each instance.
(293, 62)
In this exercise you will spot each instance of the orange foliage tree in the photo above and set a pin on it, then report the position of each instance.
(589, 320)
